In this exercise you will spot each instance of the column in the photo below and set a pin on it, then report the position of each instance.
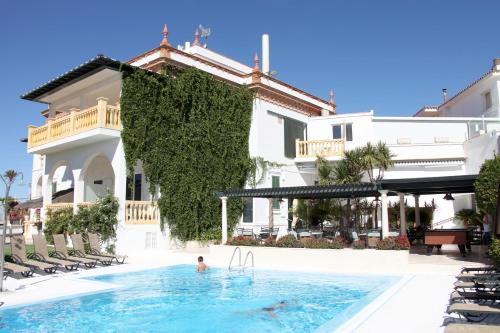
(102, 105)
(78, 192)
(385, 214)
(417, 210)
(46, 195)
(402, 213)
(224, 220)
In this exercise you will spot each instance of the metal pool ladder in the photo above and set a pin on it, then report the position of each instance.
(239, 266)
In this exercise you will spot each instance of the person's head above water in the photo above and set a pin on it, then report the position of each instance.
(200, 259)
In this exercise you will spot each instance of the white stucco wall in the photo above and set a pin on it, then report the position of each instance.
(471, 103)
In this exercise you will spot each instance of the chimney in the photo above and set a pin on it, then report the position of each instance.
(445, 95)
(265, 54)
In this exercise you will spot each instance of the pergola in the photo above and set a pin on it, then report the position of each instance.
(383, 189)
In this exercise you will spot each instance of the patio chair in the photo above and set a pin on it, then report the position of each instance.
(248, 232)
(62, 252)
(471, 328)
(474, 312)
(305, 234)
(95, 248)
(472, 277)
(42, 253)
(18, 249)
(12, 268)
(79, 248)
(239, 231)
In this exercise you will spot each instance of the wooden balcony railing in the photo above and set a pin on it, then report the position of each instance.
(102, 115)
(141, 212)
(323, 148)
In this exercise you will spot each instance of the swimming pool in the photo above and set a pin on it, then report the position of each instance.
(177, 299)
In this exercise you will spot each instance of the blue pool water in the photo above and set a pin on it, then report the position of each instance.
(177, 299)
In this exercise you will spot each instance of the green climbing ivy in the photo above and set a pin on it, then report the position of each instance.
(191, 133)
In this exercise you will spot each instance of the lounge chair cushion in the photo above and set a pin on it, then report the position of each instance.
(471, 328)
(472, 308)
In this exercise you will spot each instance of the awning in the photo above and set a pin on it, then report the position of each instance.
(419, 186)
(30, 204)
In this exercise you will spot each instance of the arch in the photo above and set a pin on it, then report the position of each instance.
(98, 177)
(59, 177)
(37, 193)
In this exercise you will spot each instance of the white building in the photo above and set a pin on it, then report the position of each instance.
(78, 144)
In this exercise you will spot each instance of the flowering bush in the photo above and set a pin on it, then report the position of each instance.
(269, 242)
(287, 241)
(386, 244)
(394, 243)
(321, 243)
(402, 242)
(358, 245)
(243, 241)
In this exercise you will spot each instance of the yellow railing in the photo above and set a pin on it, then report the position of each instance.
(141, 212)
(57, 206)
(323, 148)
(102, 115)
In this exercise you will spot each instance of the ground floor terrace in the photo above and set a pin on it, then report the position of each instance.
(416, 302)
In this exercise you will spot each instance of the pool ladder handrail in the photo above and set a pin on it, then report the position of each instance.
(246, 258)
(242, 268)
(232, 257)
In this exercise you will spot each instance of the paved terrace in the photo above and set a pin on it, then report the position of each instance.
(416, 304)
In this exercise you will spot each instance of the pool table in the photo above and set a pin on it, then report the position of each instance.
(438, 237)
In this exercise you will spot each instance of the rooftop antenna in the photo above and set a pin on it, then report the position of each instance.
(205, 32)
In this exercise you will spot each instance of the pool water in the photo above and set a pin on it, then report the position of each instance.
(177, 299)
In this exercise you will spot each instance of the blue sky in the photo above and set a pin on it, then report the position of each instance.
(390, 56)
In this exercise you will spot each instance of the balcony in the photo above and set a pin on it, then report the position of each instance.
(141, 212)
(76, 128)
(310, 150)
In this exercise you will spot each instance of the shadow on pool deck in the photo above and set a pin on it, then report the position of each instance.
(450, 255)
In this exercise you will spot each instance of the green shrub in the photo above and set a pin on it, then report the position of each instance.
(322, 243)
(58, 222)
(243, 241)
(494, 251)
(269, 242)
(99, 218)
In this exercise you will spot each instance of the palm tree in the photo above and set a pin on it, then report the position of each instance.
(8, 179)
(376, 157)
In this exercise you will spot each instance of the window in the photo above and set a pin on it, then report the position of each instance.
(54, 187)
(348, 132)
(487, 100)
(150, 241)
(337, 131)
(248, 210)
(294, 130)
(138, 187)
(134, 188)
(275, 184)
(342, 132)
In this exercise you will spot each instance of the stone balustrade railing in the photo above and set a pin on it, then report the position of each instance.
(141, 212)
(103, 115)
(57, 206)
(323, 148)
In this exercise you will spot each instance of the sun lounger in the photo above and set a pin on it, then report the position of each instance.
(12, 268)
(468, 296)
(79, 248)
(479, 269)
(42, 253)
(95, 248)
(62, 252)
(471, 328)
(19, 255)
(478, 276)
(474, 312)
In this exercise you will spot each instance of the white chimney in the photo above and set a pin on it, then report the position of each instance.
(265, 54)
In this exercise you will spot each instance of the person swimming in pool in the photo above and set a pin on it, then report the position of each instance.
(201, 267)
(272, 309)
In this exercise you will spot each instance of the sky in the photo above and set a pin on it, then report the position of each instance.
(389, 56)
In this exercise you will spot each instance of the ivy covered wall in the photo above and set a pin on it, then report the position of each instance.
(191, 133)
